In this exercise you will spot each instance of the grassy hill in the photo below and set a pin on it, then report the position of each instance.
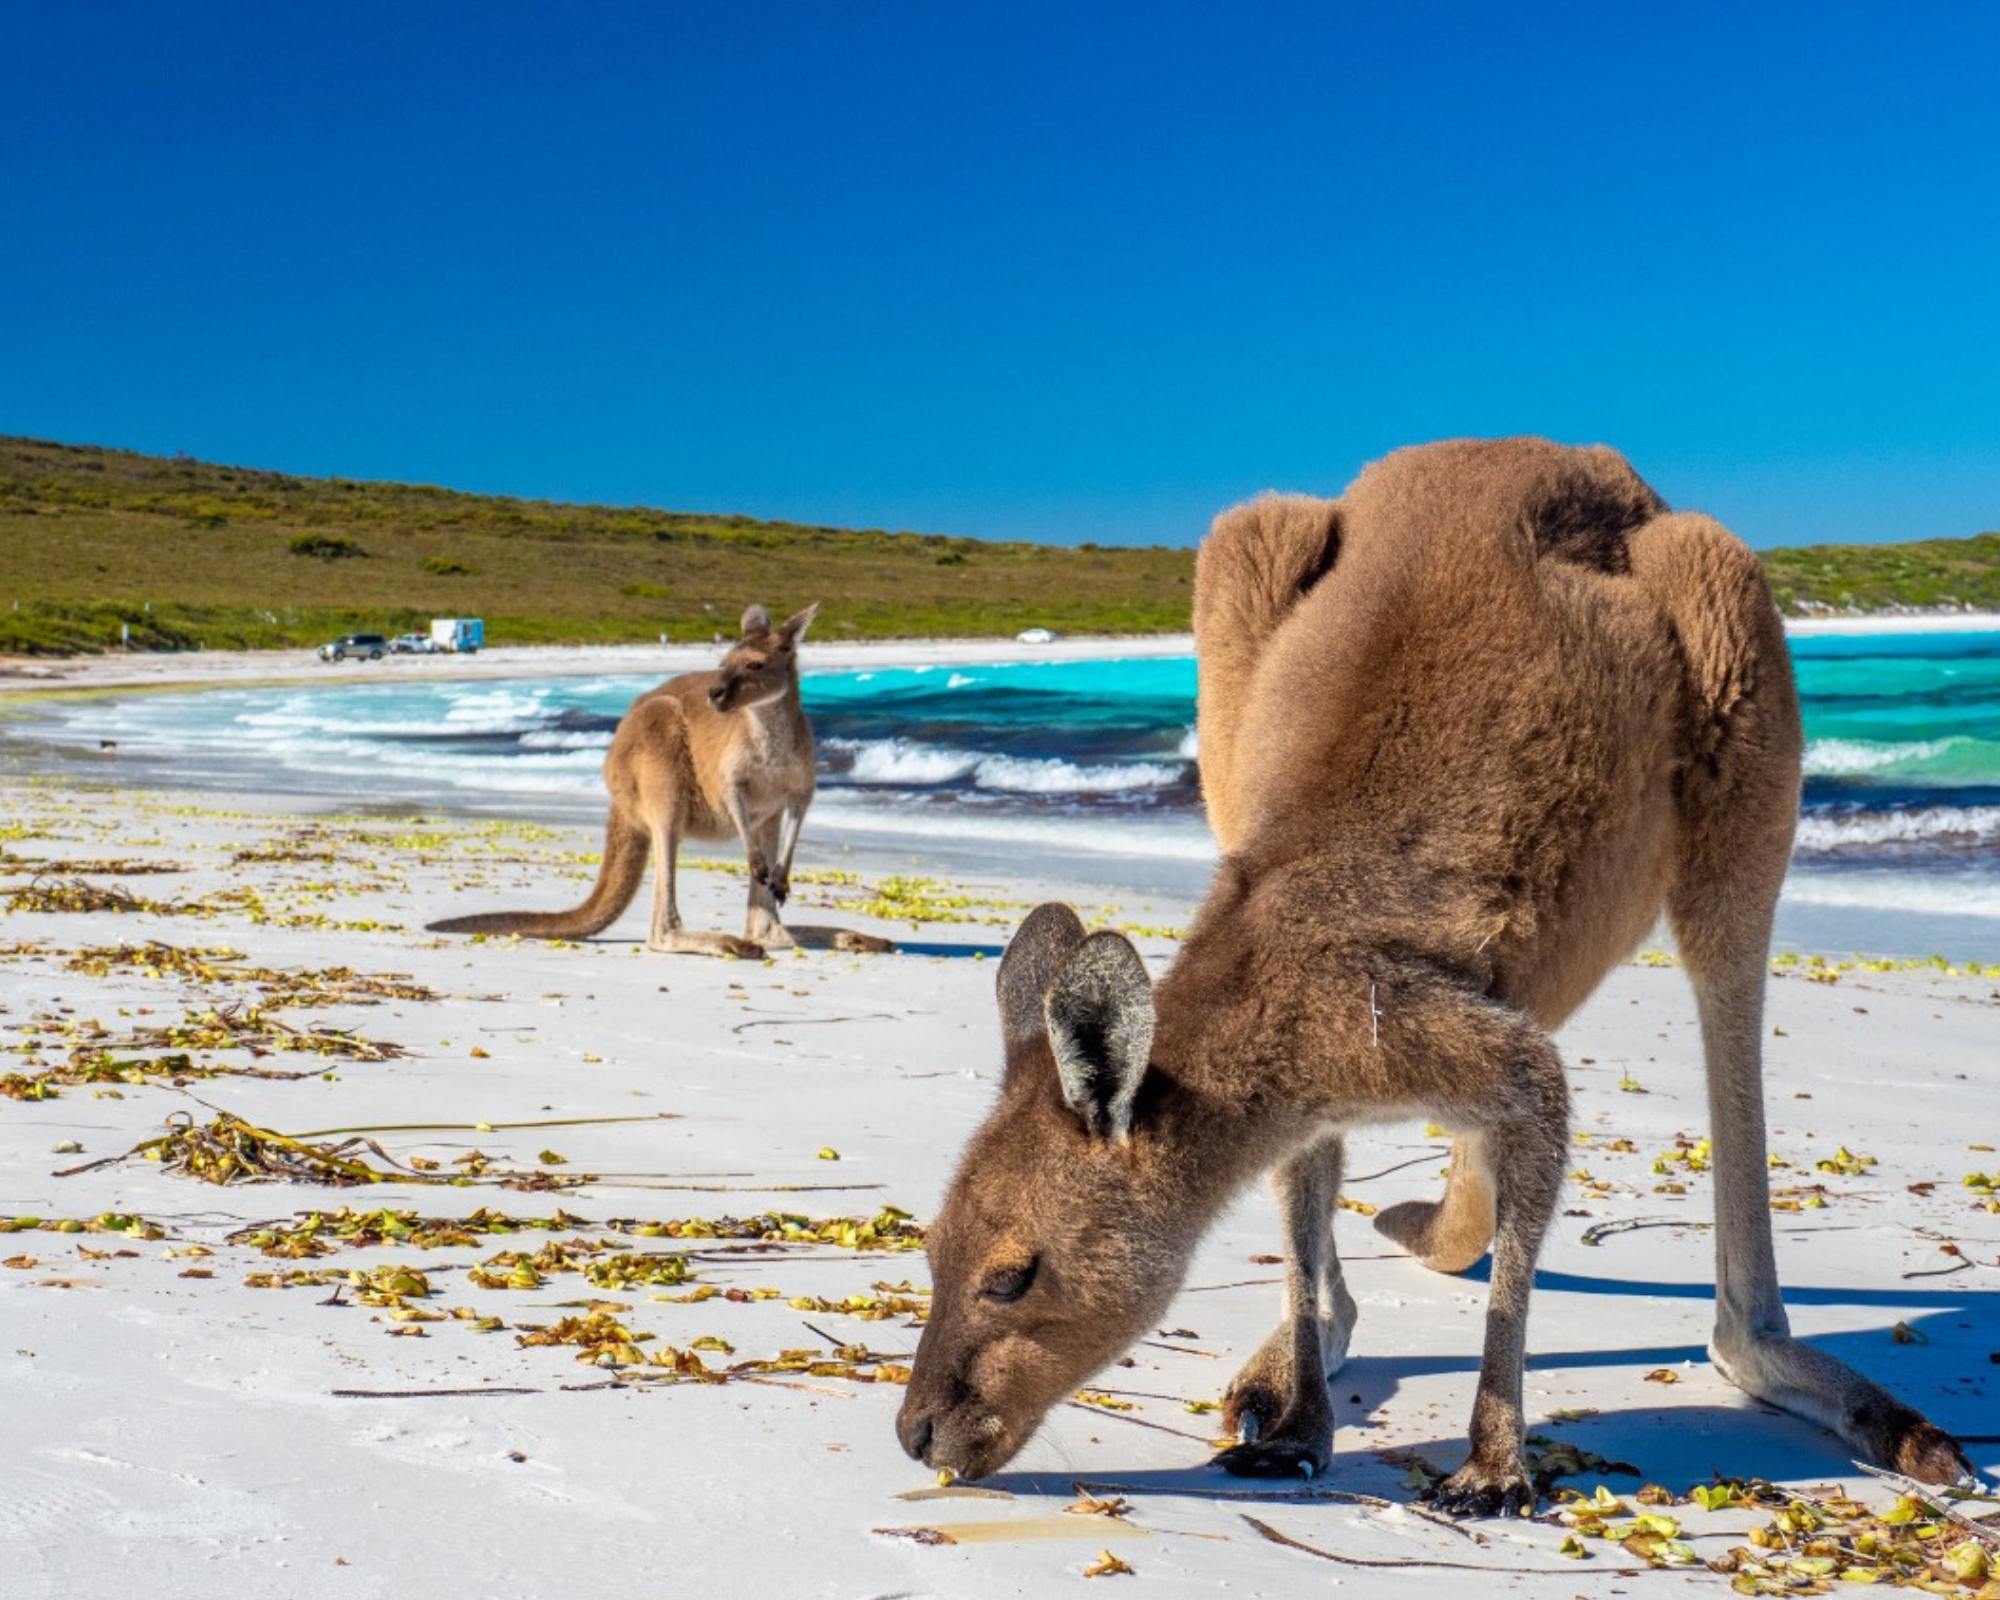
(187, 553)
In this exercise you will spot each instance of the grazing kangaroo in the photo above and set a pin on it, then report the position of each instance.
(1465, 732)
(704, 756)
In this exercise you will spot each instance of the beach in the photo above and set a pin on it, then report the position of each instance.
(623, 1266)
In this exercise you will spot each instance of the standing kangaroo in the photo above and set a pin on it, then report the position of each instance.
(704, 756)
(1465, 732)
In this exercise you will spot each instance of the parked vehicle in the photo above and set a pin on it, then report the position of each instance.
(462, 634)
(371, 645)
(413, 644)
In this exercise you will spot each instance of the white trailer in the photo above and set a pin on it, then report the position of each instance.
(461, 634)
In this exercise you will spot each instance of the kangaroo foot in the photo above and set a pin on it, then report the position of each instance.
(825, 938)
(863, 943)
(760, 927)
(1423, 1228)
(1800, 1378)
(687, 942)
(1930, 1455)
(1480, 1490)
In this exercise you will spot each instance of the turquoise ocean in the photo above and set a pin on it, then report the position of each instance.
(1086, 770)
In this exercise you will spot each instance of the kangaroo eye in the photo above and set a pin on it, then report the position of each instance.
(1008, 1284)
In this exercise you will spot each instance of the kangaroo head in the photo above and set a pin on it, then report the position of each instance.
(764, 663)
(1059, 1242)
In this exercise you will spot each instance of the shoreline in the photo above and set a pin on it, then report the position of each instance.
(1823, 912)
(29, 676)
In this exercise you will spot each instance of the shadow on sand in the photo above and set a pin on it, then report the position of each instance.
(1945, 1366)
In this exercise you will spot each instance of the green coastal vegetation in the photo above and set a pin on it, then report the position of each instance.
(1924, 575)
(186, 554)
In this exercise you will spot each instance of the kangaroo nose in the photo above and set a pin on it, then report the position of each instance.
(915, 1432)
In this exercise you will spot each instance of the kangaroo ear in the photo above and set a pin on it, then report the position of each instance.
(756, 620)
(1100, 1013)
(796, 625)
(1037, 951)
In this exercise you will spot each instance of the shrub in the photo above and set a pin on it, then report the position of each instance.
(445, 567)
(324, 547)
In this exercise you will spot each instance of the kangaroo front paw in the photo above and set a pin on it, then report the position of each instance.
(1478, 1491)
(1283, 1437)
(1252, 1406)
(1277, 1457)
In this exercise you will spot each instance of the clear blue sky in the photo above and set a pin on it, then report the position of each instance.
(1075, 271)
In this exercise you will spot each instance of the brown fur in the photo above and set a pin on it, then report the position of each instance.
(707, 755)
(1465, 732)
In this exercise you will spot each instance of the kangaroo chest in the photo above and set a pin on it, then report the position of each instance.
(772, 760)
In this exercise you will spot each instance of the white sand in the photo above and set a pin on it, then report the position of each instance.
(1885, 622)
(207, 668)
(189, 1435)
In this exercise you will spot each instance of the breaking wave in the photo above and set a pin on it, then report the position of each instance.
(907, 764)
(1844, 758)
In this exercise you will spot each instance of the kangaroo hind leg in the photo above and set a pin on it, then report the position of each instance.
(1279, 1404)
(1752, 1345)
(1256, 562)
(1449, 1234)
(1739, 806)
(668, 936)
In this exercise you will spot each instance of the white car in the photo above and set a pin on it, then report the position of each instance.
(413, 644)
(1037, 636)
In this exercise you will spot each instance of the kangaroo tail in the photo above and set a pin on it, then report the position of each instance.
(1258, 560)
(617, 881)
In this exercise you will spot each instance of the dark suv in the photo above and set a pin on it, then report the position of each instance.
(371, 645)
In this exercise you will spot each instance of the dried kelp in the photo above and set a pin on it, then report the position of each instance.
(248, 1027)
(218, 965)
(230, 1150)
(1811, 1544)
(100, 1068)
(157, 959)
(600, 1263)
(600, 1339)
(79, 894)
(120, 867)
(889, 1229)
(132, 1227)
(319, 1233)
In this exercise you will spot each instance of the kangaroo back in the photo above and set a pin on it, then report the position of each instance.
(1258, 560)
(618, 878)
